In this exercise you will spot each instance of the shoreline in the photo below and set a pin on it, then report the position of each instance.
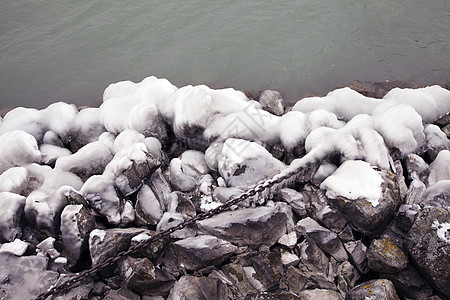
(357, 187)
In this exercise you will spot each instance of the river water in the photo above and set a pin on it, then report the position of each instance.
(67, 50)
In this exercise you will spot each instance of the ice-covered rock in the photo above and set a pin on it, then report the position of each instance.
(25, 277)
(149, 210)
(440, 168)
(437, 195)
(195, 253)
(86, 128)
(327, 240)
(100, 193)
(384, 256)
(76, 224)
(14, 180)
(187, 169)
(87, 161)
(130, 166)
(47, 248)
(11, 213)
(243, 164)
(18, 149)
(246, 227)
(143, 277)
(428, 244)
(368, 198)
(436, 140)
(192, 287)
(171, 219)
(272, 102)
(51, 153)
(381, 288)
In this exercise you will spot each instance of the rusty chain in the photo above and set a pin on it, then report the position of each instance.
(290, 171)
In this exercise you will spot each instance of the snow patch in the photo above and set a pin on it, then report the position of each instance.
(442, 230)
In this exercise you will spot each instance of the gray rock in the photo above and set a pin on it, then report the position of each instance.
(415, 191)
(154, 250)
(272, 102)
(428, 244)
(295, 279)
(279, 295)
(358, 255)
(405, 216)
(144, 278)
(410, 284)
(255, 271)
(295, 200)
(195, 253)
(332, 218)
(416, 167)
(191, 287)
(436, 140)
(107, 243)
(314, 198)
(81, 290)
(346, 234)
(121, 294)
(24, 277)
(385, 256)
(172, 219)
(76, 224)
(149, 209)
(346, 277)
(403, 188)
(247, 227)
(321, 294)
(12, 212)
(367, 218)
(379, 288)
(326, 239)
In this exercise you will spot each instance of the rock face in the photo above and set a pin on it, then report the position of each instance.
(428, 244)
(246, 227)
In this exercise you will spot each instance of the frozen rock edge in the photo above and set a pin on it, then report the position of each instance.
(76, 187)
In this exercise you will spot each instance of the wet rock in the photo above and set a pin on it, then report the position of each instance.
(320, 294)
(358, 255)
(76, 224)
(380, 288)
(243, 164)
(326, 239)
(107, 243)
(24, 277)
(272, 102)
(385, 256)
(428, 244)
(295, 200)
(191, 287)
(142, 277)
(195, 253)
(410, 284)
(367, 213)
(11, 212)
(247, 227)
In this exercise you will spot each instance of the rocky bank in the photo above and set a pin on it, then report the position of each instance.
(348, 227)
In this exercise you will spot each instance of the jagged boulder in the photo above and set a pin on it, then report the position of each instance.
(247, 227)
(191, 287)
(384, 256)
(378, 288)
(428, 244)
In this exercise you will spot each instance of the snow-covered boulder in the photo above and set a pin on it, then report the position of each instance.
(50, 153)
(185, 171)
(272, 102)
(11, 212)
(439, 168)
(86, 128)
(368, 198)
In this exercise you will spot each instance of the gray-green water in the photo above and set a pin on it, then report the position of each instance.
(71, 50)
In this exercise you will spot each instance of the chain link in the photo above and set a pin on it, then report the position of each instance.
(290, 171)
